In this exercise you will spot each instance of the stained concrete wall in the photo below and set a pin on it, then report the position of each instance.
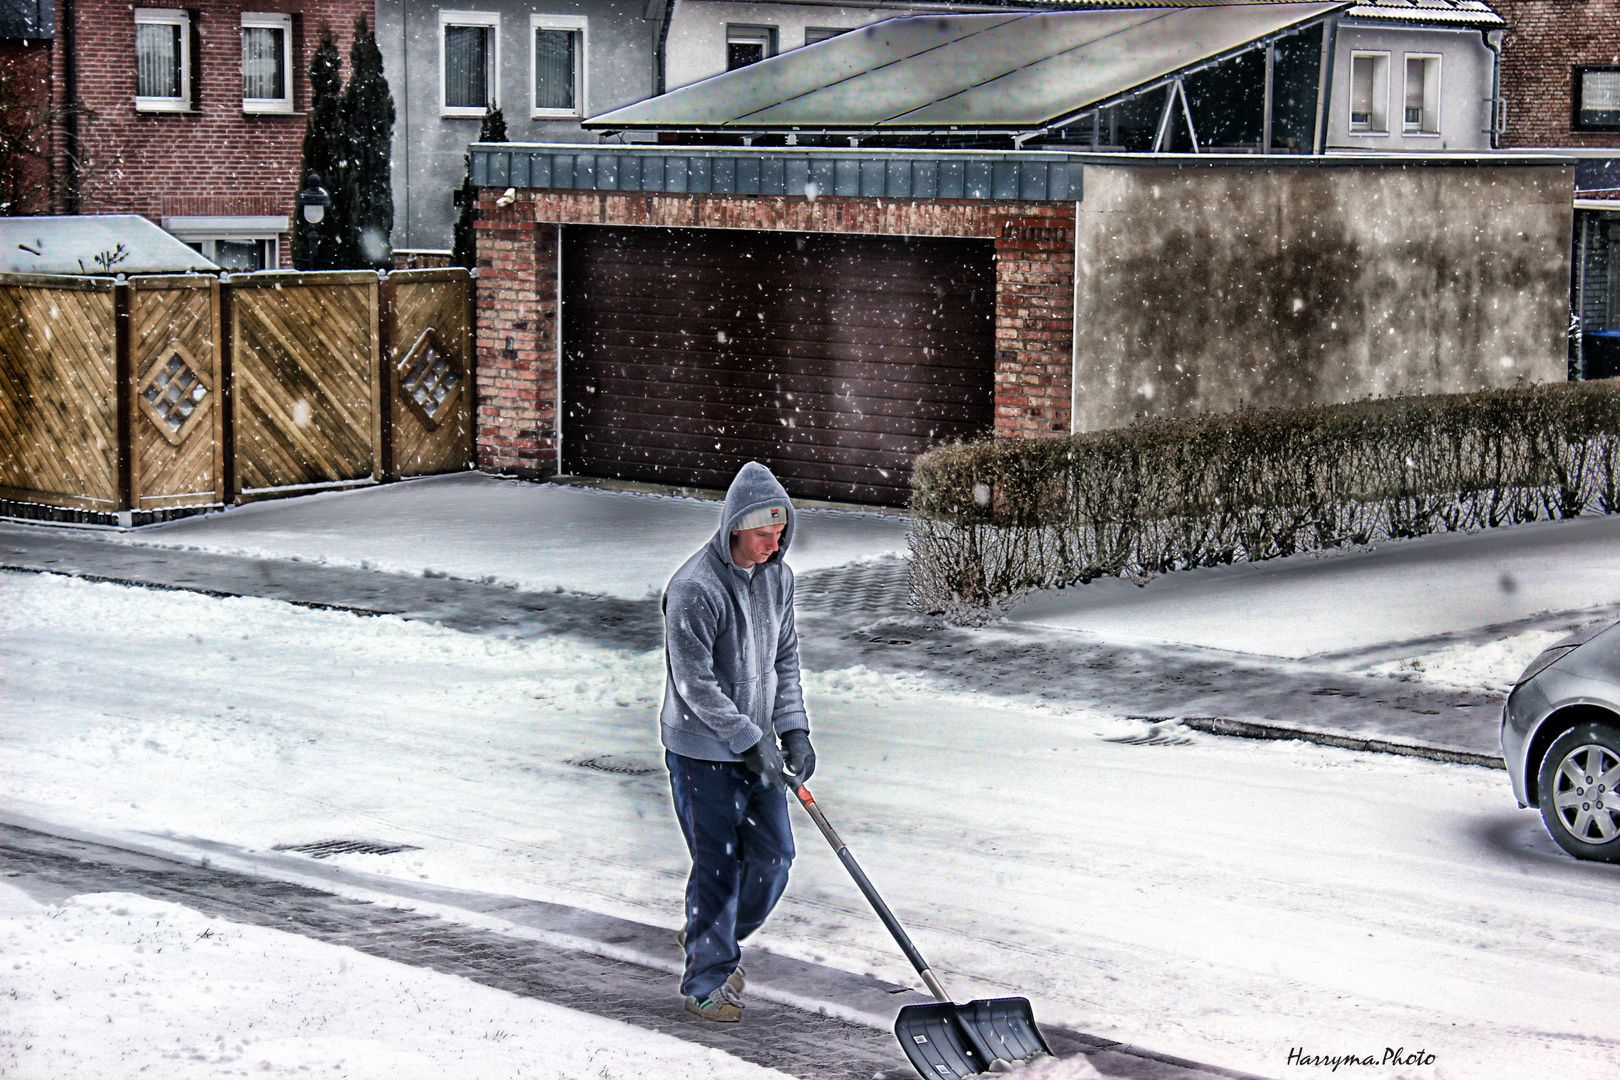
(1210, 288)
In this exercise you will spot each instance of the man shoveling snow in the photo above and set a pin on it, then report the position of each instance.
(731, 692)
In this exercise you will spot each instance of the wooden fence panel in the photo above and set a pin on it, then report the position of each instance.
(58, 392)
(430, 355)
(304, 356)
(177, 435)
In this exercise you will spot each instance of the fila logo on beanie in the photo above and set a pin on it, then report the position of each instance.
(765, 515)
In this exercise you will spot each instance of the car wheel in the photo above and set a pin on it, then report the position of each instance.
(1579, 791)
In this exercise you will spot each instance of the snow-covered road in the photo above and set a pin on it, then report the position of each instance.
(1222, 900)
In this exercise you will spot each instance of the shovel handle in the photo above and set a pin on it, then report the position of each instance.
(842, 849)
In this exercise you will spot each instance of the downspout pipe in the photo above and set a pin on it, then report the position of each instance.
(662, 60)
(70, 118)
(1498, 106)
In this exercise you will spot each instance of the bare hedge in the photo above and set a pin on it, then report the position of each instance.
(995, 519)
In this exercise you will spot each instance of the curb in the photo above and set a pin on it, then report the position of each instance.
(1247, 729)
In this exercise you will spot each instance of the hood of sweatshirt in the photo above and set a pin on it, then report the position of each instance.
(753, 488)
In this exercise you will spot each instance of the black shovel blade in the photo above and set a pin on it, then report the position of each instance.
(944, 1039)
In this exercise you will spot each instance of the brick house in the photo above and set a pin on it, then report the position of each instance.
(198, 114)
(1561, 81)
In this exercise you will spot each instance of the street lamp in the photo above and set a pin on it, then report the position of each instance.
(312, 204)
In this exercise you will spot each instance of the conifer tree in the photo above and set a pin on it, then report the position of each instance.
(323, 148)
(465, 248)
(367, 179)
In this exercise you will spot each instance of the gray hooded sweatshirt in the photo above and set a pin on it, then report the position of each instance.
(731, 653)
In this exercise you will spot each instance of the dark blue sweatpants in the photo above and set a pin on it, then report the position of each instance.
(737, 832)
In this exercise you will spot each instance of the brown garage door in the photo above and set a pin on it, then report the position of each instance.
(833, 359)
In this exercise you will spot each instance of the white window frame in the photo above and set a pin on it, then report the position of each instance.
(823, 33)
(492, 21)
(205, 231)
(168, 17)
(1378, 123)
(268, 20)
(768, 37)
(1431, 95)
(577, 24)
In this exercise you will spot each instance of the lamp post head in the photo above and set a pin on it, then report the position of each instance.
(313, 200)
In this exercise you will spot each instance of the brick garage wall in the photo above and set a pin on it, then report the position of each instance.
(1543, 43)
(216, 160)
(517, 296)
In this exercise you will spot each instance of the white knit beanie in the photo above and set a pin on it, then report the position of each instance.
(775, 514)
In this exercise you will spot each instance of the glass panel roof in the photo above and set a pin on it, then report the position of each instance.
(994, 71)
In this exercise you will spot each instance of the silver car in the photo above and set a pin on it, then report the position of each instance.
(1561, 741)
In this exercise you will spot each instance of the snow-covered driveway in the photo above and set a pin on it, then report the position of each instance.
(1223, 900)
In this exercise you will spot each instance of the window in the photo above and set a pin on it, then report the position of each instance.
(748, 45)
(1369, 92)
(266, 82)
(469, 57)
(1421, 113)
(239, 244)
(813, 34)
(162, 60)
(559, 65)
(1597, 99)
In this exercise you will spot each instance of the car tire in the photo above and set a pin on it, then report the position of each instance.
(1578, 788)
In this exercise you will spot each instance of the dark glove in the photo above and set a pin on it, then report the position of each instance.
(766, 760)
(801, 759)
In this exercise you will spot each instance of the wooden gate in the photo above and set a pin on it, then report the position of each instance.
(177, 436)
(302, 361)
(430, 356)
(130, 402)
(59, 423)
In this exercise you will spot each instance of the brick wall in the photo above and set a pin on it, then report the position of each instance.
(26, 69)
(1545, 40)
(517, 296)
(216, 160)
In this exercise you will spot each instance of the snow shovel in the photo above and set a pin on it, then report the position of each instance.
(942, 1039)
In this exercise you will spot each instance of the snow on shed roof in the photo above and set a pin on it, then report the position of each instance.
(93, 244)
(1000, 71)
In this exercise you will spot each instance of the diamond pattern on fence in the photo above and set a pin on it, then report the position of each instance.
(173, 396)
(430, 378)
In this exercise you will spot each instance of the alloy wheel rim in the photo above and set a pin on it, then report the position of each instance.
(1584, 793)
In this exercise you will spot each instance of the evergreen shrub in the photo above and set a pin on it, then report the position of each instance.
(995, 519)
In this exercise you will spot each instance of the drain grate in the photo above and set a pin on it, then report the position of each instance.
(325, 848)
(612, 765)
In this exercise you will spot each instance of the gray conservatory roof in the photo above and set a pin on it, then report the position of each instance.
(1003, 71)
(93, 244)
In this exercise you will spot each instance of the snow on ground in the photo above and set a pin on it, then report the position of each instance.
(109, 985)
(533, 536)
(1492, 666)
(1222, 900)
(1335, 602)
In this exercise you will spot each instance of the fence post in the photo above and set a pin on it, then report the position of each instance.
(227, 390)
(124, 391)
(385, 378)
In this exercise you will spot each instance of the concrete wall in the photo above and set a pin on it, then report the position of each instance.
(1207, 289)
(1466, 70)
(429, 148)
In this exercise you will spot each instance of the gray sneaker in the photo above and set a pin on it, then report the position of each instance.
(723, 1006)
(735, 980)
